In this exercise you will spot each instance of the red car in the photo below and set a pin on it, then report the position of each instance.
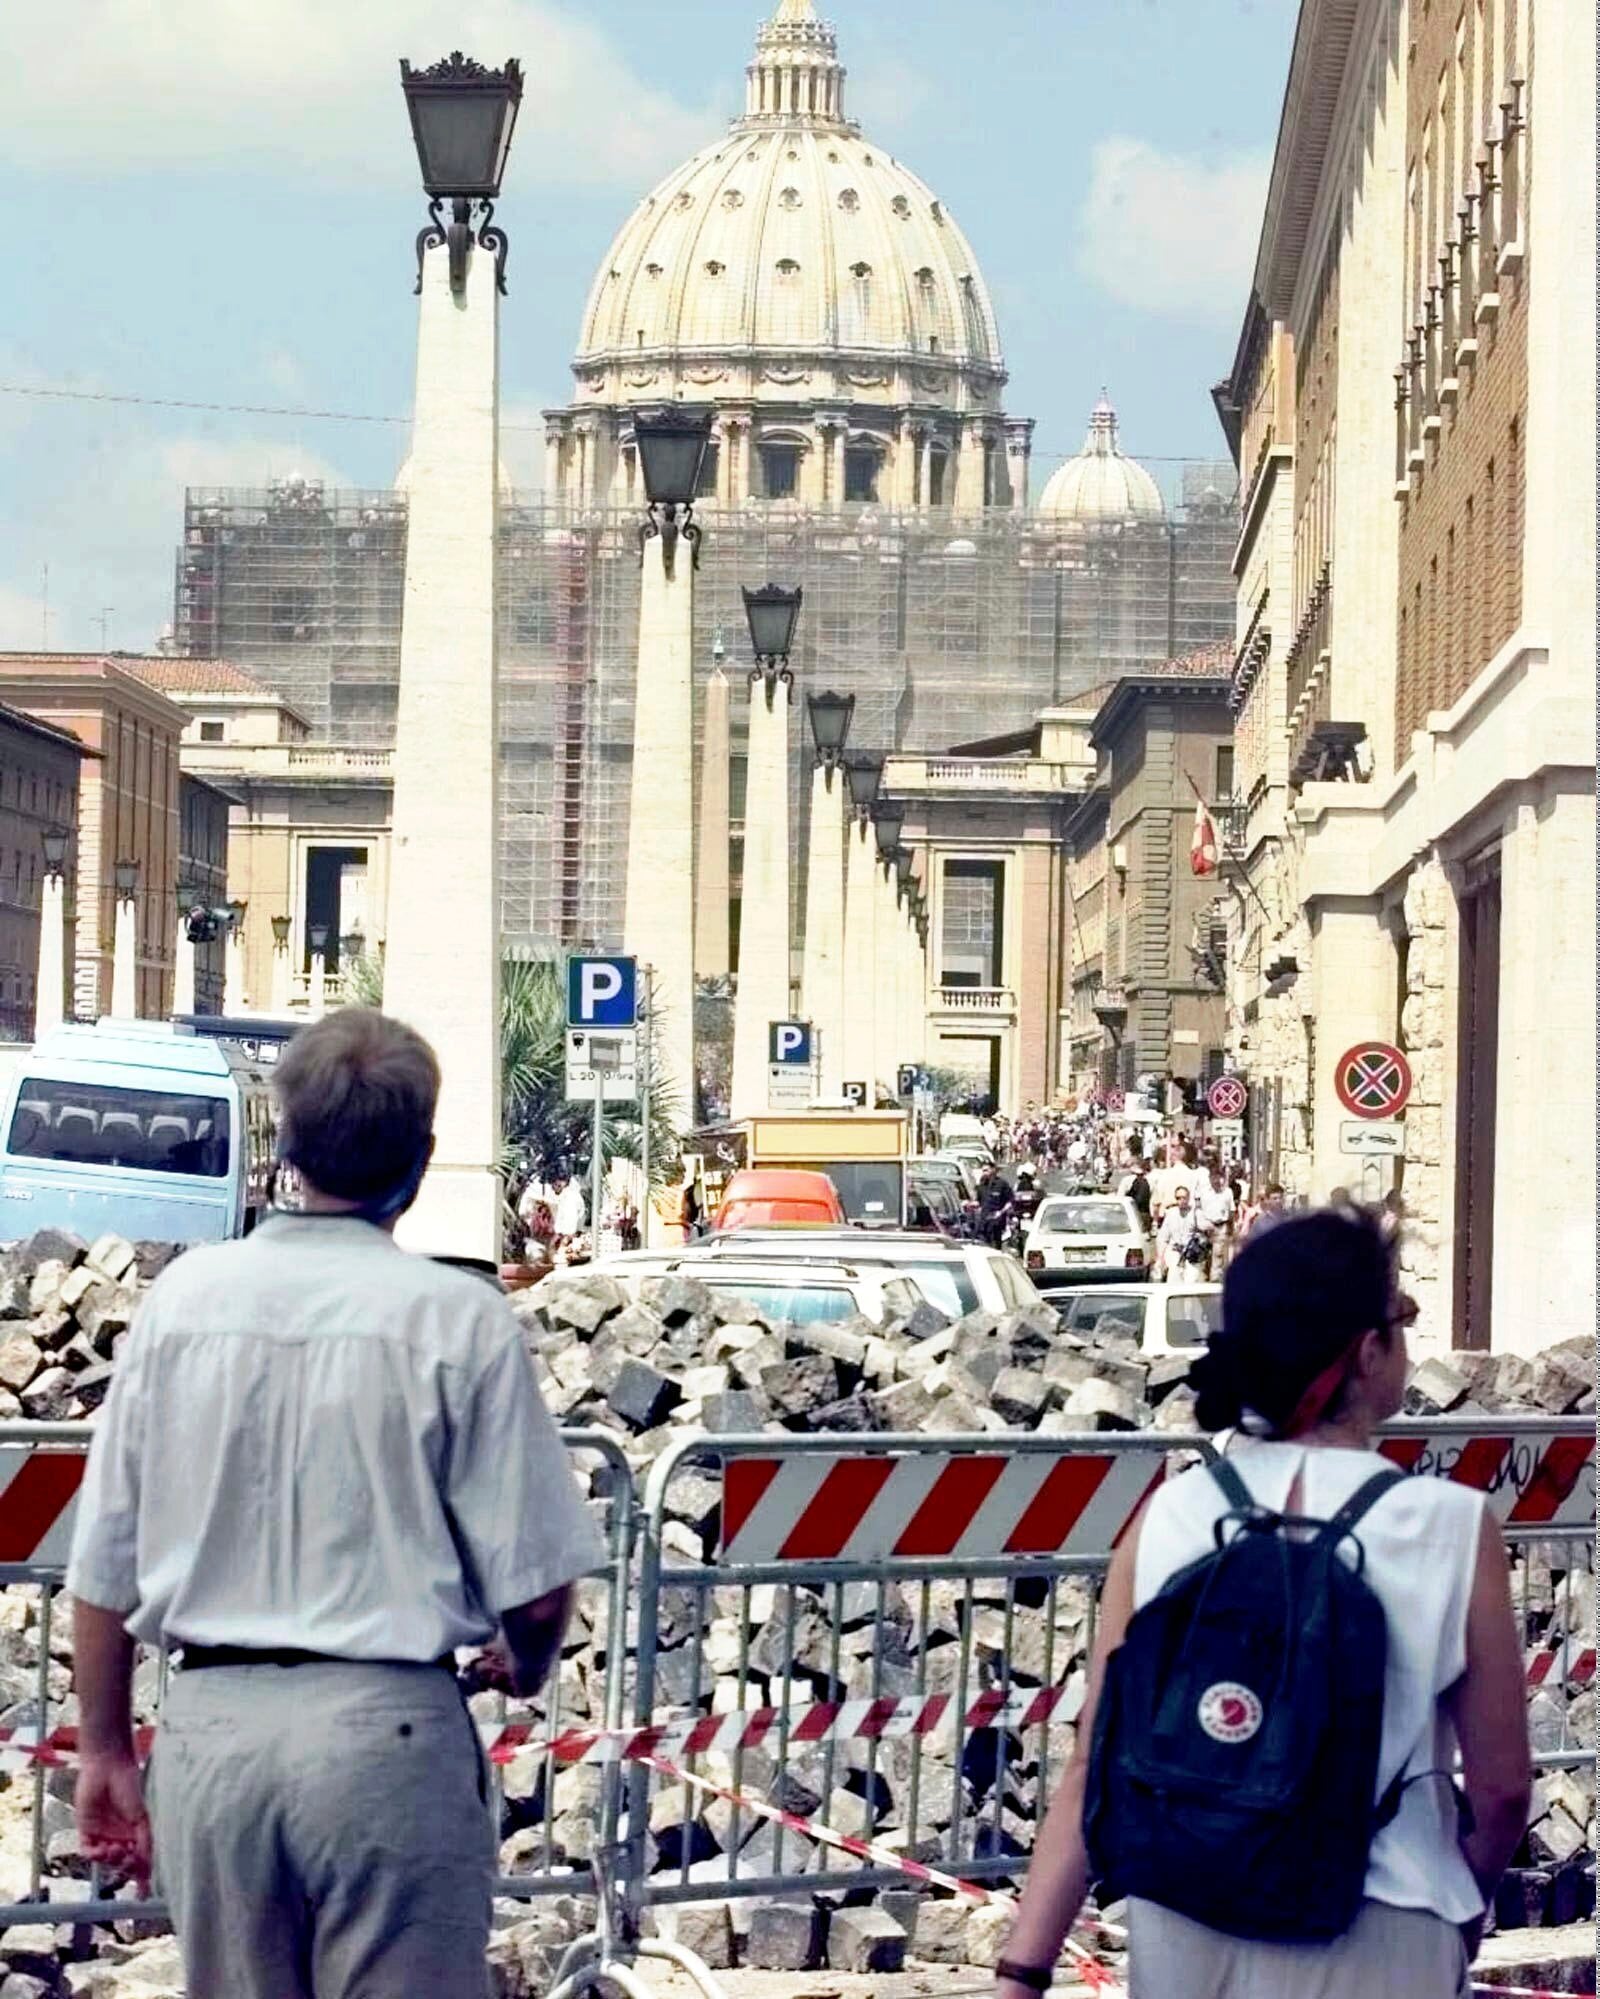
(763, 1196)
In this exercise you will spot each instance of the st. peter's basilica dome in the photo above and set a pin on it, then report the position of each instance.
(1101, 484)
(810, 287)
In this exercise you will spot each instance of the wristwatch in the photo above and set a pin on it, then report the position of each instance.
(1037, 1978)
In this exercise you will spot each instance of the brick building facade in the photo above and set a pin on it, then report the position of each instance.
(1427, 256)
(39, 767)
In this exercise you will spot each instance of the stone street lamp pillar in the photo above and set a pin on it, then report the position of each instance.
(125, 943)
(658, 905)
(282, 975)
(318, 994)
(49, 1009)
(183, 975)
(860, 935)
(761, 993)
(888, 818)
(234, 998)
(442, 971)
(711, 884)
(823, 997)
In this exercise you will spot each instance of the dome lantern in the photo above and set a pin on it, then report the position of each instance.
(796, 77)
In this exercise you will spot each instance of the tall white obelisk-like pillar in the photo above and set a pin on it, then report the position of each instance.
(442, 969)
(234, 999)
(860, 953)
(50, 996)
(887, 1013)
(125, 960)
(711, 882)
(823, 997)
(762, 994)
(183, 977)
(658, 909)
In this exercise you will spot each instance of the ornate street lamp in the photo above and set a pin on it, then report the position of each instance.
(126, 876)
(462, 117)
(236, 910)
(55, 841)
(864, 775)
(887, 819)
(319, 940)
(280, 933)
(905, 867)
(772, 613)
(830, 725)
(672, 445)
(352, 945)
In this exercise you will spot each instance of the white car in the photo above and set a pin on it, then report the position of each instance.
(785, 1292)
(957, 1277)
(1098, 1234)
(1162, 1320)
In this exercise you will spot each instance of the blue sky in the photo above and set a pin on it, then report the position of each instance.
(214, 202)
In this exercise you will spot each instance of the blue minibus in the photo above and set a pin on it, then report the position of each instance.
(135, 1128)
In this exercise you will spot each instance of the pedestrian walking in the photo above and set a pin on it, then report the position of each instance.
(1215, 1206)
(1180, 1241)
(323, 1465)
(1299, 1837)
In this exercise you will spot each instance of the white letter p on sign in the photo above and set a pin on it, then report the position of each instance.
(596, 985)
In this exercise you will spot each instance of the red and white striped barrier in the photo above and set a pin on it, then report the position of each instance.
(1571, 1663)
(817, 1722)
(1533, 1479)
(38, 1498)
(933, 1506)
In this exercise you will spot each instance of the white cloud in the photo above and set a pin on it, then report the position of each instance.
(1173, 233)
(311, 88)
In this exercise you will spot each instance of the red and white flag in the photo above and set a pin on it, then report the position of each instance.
(1203, 847)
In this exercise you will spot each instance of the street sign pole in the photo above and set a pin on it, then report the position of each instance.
(596, 1170)
(646, 1205)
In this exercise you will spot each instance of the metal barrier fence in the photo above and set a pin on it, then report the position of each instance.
(41, 1469)
(884, 1633)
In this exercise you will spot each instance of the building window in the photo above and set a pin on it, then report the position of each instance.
(861, 474)
(780, 470)
(1224, 788)
(211, 732)
(972, 934)
(937, 462)
(707, 488)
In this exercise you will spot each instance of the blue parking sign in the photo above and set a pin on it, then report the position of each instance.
(789, 1044)
(602, 992)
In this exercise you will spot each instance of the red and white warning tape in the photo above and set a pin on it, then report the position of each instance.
(1091, 1970)
(819, 1721)
(1515, 1992)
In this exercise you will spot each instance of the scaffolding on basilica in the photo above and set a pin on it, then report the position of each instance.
(946, 627)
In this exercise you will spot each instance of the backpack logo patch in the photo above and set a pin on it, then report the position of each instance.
(1230, 1712)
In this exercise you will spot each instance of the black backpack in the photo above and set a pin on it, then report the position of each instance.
(1235, 1752)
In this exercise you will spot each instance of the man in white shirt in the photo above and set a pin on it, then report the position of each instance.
(1181, 1170)
(571, 1212)
(1214, 1206)
(1179, 1227)
(322, 1467)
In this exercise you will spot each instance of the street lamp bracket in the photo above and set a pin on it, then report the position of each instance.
(772, 613)
(671, 445)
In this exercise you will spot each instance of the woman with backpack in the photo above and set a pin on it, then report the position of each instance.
(1289, 1655)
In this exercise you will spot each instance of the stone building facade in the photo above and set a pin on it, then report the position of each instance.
(127, 811)
(1425, 869)
(39, 781)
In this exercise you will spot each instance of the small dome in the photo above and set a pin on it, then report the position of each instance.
(1102, 483)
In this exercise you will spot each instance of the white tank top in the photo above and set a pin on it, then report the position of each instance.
(1421, 1545)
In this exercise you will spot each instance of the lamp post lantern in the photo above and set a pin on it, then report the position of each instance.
(772, 613)
(672, 445)
(830, 716)
(864, 775)
(462, 117)
(55, 840)
(442, 925)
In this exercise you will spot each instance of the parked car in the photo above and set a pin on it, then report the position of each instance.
(763, 1196)
(784, 1292)
(955, 1171)
(933, 1207)
(1162, 1319)
(957, 1277)
(1096, 1236)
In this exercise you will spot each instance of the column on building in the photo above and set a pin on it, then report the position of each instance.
(905, 464)
(968, 465)
(762, 990)
(658, 907)
(1019, 459)
(553, 435)
(822, 979)
(744, 484)
(711, 882)
(860, 950)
